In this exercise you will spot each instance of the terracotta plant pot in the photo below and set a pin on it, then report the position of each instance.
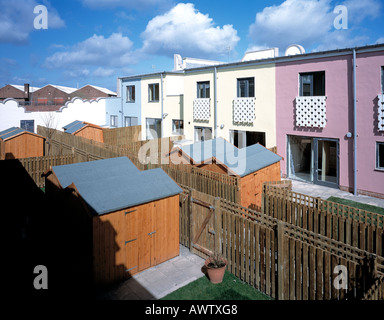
(215, 275)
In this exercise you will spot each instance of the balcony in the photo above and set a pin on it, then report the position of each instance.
(380, 112)
(311, 111)
(244, 110)
(202, 109)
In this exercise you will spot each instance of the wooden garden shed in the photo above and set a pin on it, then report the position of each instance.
(254, 165)
(86, 130)
(16, 143)
(129, 218)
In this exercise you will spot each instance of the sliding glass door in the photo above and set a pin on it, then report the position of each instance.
(314, 159)
(326, 162)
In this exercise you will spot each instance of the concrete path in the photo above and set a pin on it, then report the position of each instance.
(325, 192)
(158, 281)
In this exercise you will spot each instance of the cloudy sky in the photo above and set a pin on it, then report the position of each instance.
(96, 41)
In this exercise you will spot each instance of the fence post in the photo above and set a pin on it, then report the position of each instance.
(190, 218)
(217, 205)
(280, 260)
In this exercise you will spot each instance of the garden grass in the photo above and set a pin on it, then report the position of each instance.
(231, 288)
(357, 205)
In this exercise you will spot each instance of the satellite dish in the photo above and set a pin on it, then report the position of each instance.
(294, 49)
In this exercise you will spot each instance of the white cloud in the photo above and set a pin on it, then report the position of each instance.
(380, 40)
(16, 20)
(294, 21)
(359, 10)
(103, 72)
(185, 30)
(311, 24)
(97, 50)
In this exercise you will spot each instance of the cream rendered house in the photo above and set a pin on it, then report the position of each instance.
(234, 101)
(162, 104)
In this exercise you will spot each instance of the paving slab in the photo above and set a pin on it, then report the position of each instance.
(326, 192)
(156, 282)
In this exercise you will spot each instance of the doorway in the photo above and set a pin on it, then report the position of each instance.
(314, 159)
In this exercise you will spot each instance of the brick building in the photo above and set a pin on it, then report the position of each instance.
(90, 92)
(20, 93)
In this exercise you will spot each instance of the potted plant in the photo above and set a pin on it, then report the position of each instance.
(215, 266)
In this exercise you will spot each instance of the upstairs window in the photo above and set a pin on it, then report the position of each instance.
(153, 92)
(246, 87)
(312, 84)
(130, 93)
(380, 155)
(203, 89)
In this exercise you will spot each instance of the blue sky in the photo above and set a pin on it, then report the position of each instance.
(96, 41)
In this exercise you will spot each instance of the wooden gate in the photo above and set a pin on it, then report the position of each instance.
(198, 214)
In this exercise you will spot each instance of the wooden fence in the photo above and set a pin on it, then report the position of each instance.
(352, 226)
(137, 148)
(278, 258)
(122, 136)
(38, 165)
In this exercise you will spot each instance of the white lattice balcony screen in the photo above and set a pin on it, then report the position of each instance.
(244, 110)
(311, 111)
(202, 109)
(381, 112)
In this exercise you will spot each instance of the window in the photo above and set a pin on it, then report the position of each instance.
(312, 84)
(243, 139)
(177, 126)
(203, 89)
(203, 134)
(153, 128)
(380, 155)
(113, 122)
(153, 92)
(130, 121)
(28, 125)
(130, 93)
(245, 87)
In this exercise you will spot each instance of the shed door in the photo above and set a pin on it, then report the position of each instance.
(131, 241)
(147, 234)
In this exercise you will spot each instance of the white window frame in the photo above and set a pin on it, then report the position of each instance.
(129, 119)
(114, 120)
(247, 93)
(378, 156)
(131, 94)
(152, 92)
(181, 126)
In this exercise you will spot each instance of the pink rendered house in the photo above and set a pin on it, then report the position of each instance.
(315, 116)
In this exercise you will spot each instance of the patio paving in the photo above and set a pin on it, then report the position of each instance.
(326, 192)
(158, 281)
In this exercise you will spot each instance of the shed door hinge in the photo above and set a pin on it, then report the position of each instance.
(130, 241)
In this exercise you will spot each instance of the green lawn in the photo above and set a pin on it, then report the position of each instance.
(231, 288)
(358, 205)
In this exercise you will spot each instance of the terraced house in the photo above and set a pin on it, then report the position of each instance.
(329, 118)
(323, 111)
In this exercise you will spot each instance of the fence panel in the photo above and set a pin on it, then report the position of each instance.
(283, 260)
(38, 165)
(356, 227)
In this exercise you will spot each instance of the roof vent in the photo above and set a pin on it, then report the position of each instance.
(294, 49)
